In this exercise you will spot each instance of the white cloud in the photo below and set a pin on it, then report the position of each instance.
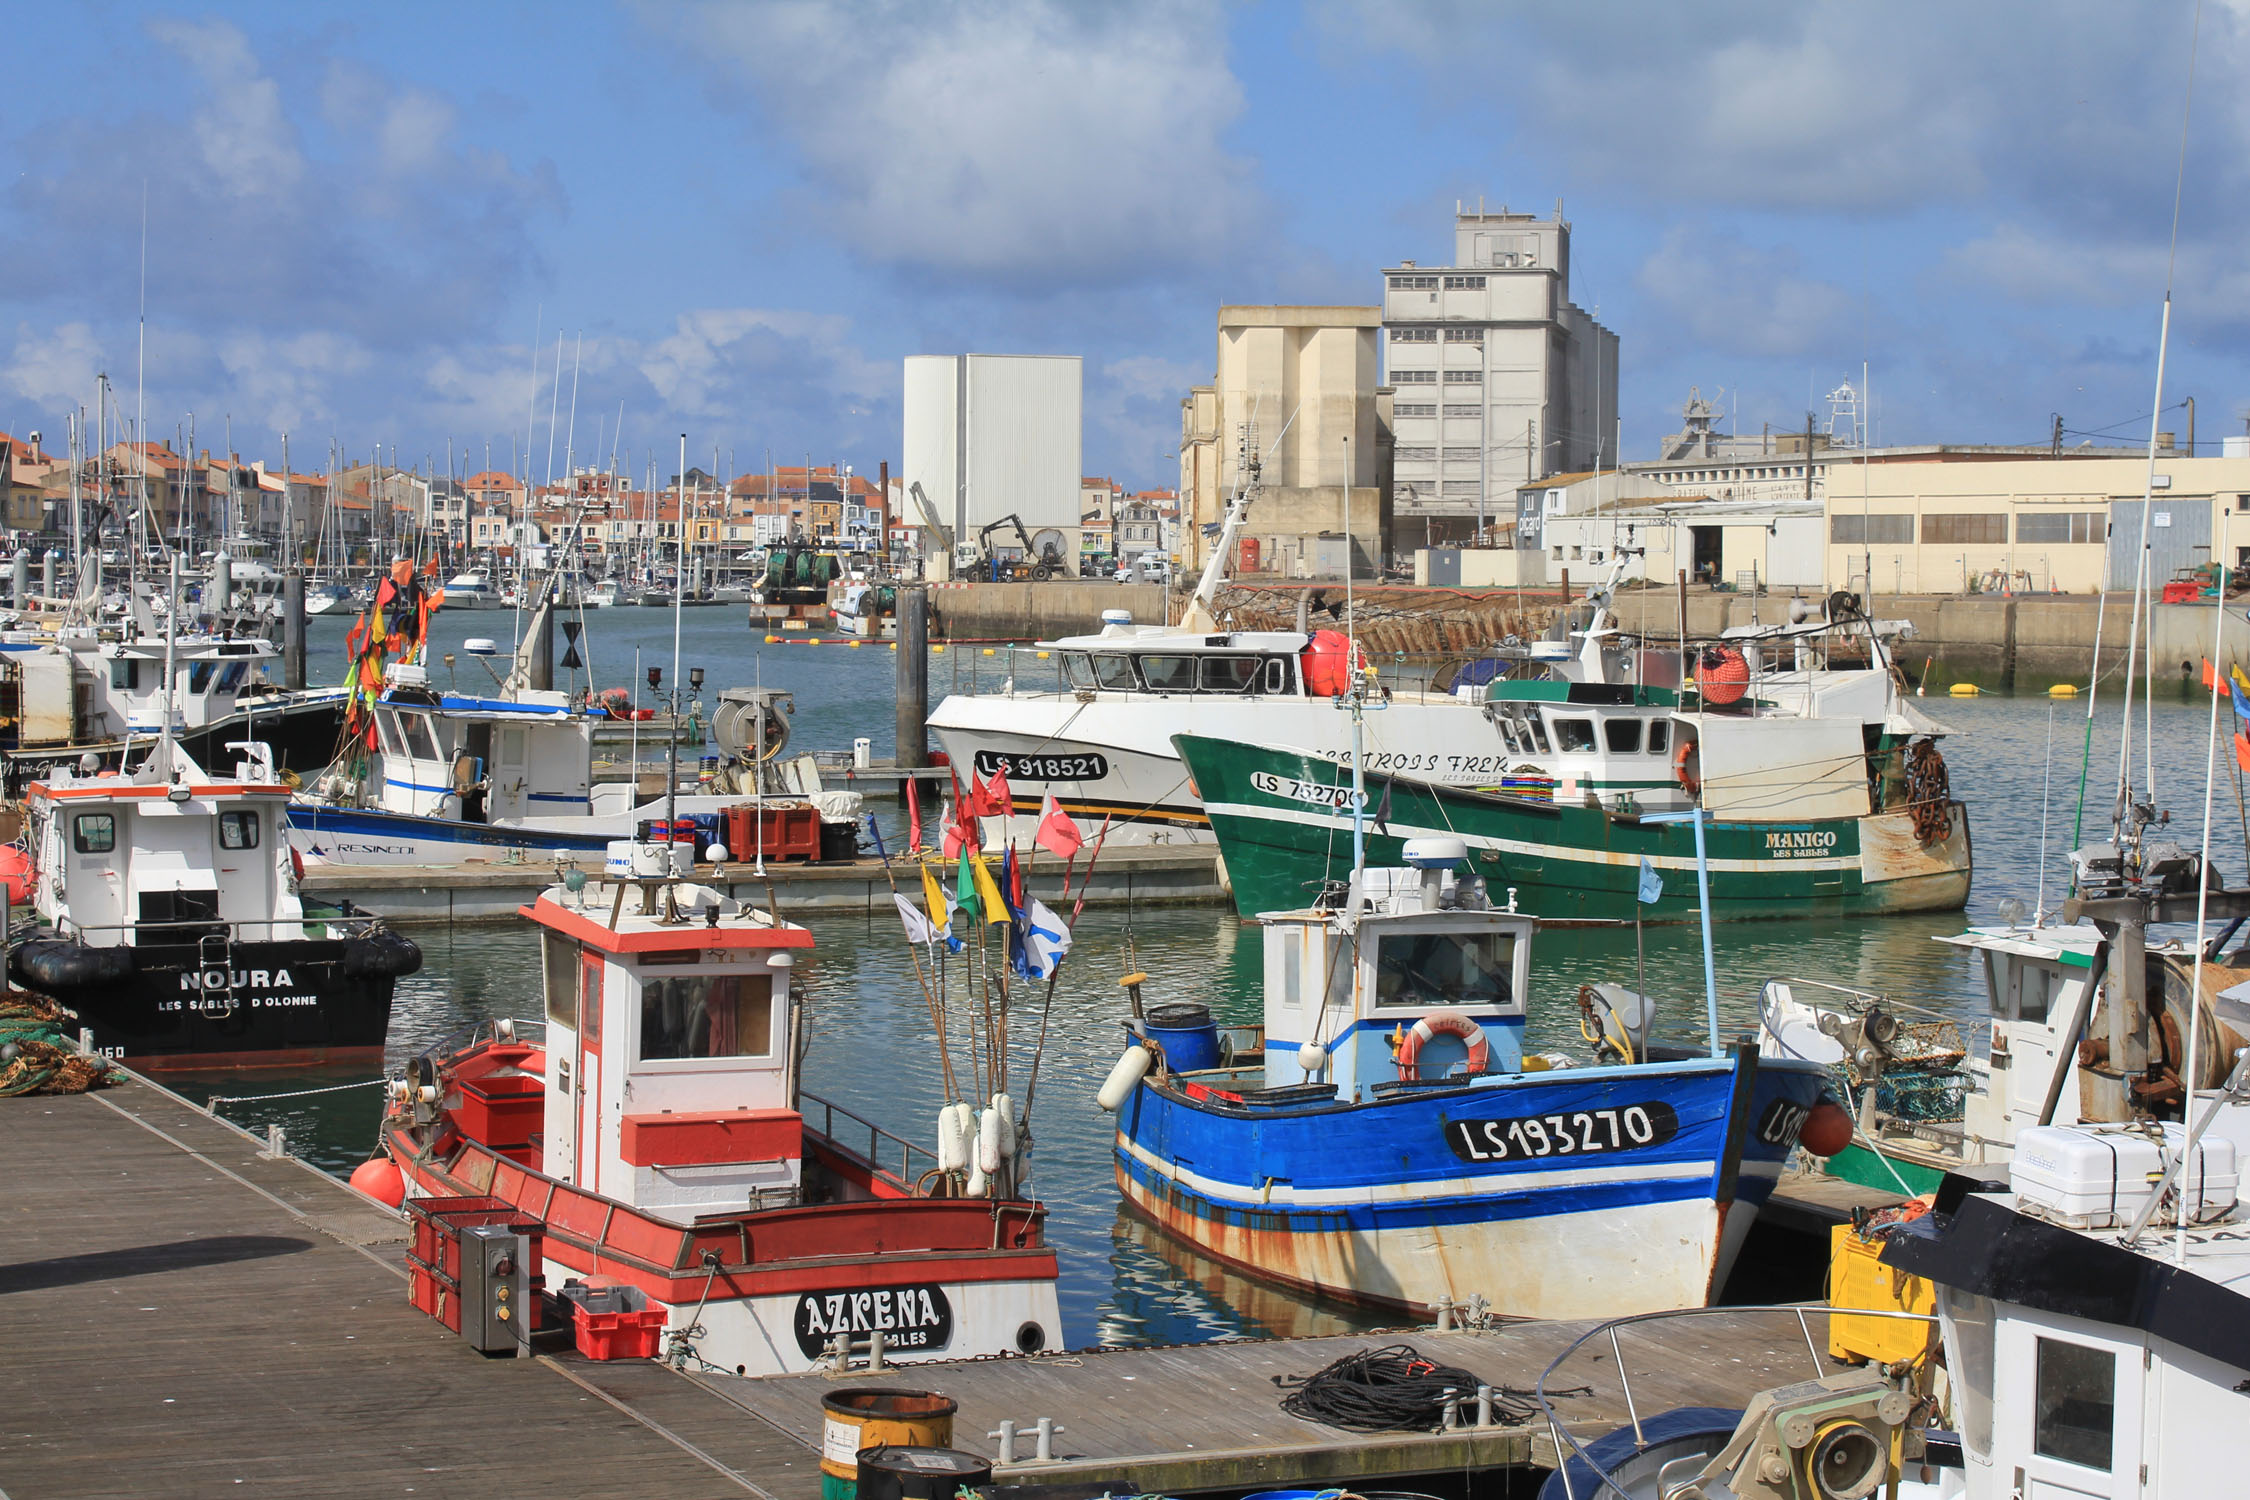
(1735, 297)
(243, 132)
(54, 369)
(700, 368)
(1049, 142)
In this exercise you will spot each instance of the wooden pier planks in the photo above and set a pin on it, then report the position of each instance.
(1209, 1415)
(185, 1317)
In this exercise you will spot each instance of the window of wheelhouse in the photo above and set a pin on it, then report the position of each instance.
(2075, 1404)
(125, 673)
(1080, 669)
(1422, 969)
(1622, 736)
(420, 742)
(1574, 734)
(1229, 674)
(386, 726)
(1277, 675)
(238, 830)
(561, 962)
(1168, 674)
(199, 676)
(1115, 672)
(707, 1015)
(1659, 736)
(94, 833)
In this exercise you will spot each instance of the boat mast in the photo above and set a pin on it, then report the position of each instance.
(672, 775)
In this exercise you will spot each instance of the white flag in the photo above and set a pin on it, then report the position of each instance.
(1045, 940)
(918, 928)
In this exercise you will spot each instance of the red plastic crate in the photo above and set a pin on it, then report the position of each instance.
(618, 1335)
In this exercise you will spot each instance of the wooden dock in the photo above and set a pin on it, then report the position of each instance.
(480, 891)
(189, 1315)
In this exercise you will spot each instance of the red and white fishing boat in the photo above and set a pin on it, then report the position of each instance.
(659, 1137)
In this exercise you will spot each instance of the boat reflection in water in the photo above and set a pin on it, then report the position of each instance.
(1166, 1292)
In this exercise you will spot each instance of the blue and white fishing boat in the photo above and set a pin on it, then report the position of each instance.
(1385, 1138)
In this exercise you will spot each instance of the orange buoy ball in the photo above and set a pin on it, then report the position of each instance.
(1723, 675)
(1826, 1131)
(381, 1180)
(15, 874)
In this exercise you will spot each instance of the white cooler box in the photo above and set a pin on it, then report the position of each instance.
(2098, 1176)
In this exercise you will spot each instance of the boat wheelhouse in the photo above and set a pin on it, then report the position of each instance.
(169, 919)
(1384, 1137)
(660, 1136)
(474, 590)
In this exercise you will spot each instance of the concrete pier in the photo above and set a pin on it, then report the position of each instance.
(464, 895)
(191, 1315)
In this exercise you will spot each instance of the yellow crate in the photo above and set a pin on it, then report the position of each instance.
(1858, 1278)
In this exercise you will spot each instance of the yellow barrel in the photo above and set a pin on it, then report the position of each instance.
(2063, 690)
(872, 1415)
(1965, 690)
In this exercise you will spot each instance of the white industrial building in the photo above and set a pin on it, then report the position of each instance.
(1499, 378)
(994, 435)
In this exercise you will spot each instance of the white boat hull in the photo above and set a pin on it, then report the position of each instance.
(1113, 758)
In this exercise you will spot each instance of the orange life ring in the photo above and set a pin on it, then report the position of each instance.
(1689, 783)
(1448, 1023)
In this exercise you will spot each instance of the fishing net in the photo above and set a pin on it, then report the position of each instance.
(38, 1055)
(1925, 1076)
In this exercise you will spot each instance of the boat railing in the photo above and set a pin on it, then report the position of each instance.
(1607, 1335)
(882, 1145)
(185, 930)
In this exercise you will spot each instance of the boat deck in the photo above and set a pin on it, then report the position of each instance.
(188, 1315)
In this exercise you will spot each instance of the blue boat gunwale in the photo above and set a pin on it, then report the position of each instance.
(1484, 1083)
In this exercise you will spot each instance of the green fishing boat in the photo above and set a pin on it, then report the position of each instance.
(1802, 817)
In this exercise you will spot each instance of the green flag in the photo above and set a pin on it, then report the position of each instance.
(965, 890)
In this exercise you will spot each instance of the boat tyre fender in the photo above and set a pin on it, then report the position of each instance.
(1682, 753)
(58, 966)
(380, 953)
(1438, 1023)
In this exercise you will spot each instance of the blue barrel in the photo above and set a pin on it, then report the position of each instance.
(1186, 1035)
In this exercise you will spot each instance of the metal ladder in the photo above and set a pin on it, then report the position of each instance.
(214, 951)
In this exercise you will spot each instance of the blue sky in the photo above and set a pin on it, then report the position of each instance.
(751, 212)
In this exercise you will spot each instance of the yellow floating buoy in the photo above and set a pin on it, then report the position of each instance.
(2063, 690)
(856, 645)
(988, 650)
(894, 646)
(773, 640)
(1043, 655)
(1965, 690)
(940, 649)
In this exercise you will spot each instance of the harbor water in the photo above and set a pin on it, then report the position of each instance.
(2015, 762)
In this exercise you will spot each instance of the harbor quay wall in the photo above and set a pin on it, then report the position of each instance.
(1036, 611)
(2027, 642)
(2024, 643)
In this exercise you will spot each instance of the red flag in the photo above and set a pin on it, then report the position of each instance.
(913, 816)
(999, 801)
(1085, 885)
(1057, 834)
(967, 832)
(1014, 874)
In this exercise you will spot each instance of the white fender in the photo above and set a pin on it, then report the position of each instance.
(988, 1142)
(1004, 1110)
(977, 1184)
(1123, 1078)
(952, 1144)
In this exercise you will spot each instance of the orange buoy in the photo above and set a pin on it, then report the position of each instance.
(1827, 1129)
(15, 874)
(1722, 675)
(380, 1179)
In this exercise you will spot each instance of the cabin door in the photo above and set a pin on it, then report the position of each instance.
(591, 974)
(511, 773)
(2077, 1434)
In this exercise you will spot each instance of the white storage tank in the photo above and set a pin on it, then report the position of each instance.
(2098, 1176)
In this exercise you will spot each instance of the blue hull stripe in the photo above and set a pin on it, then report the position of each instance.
(1387, 1164)
(367, 824)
